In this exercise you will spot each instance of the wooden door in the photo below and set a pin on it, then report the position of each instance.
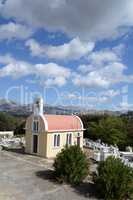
(78, 141)
(35, 143)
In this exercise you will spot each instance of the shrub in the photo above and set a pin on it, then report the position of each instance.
(114, 180)
(71, 165)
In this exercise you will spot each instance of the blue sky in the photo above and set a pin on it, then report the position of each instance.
(76, 53)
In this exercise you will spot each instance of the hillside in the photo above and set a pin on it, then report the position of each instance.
(24, 110)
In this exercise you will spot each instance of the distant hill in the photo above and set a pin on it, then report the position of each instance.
(13, 108)
(20, 110)
(17, 109)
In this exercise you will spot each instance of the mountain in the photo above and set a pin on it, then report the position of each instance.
(13, 108)
(17, 109)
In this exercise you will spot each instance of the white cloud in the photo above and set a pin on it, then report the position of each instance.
(57, 81)
(92, 79)
(15, 70)
(97, 19)
(104, 77)
(103, 57)
(53, 74)
(105, 68)
(46, 74)
(6, 59)
(110, 93)
(72, 50)
(119, 50)
(13, 30)
(85, 68)
(125, 106)
(108, 71)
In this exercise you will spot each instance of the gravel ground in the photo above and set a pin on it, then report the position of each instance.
(27, 177)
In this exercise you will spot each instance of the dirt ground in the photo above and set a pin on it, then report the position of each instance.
(27, 177)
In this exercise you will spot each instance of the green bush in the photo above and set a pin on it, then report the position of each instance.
(114, 180)
(71, 165)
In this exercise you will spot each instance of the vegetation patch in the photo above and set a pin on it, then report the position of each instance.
(113, 130)
(114, 180)
(71, 165)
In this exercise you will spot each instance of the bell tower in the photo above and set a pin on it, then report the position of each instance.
(38, 106)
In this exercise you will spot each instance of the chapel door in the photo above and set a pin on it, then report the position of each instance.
(35, 143)
(78, 141)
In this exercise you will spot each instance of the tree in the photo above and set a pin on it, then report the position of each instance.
(111, 130)
(7, 122)
(87, 119)
(130, 132)
(114, 180)
(10, 122)
(71, 165)
(20, 129)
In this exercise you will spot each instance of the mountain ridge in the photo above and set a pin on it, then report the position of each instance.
(18, 109)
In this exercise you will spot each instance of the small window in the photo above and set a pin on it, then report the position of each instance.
(69, 139)
(35, 126)
(78, 134)
(56, 140)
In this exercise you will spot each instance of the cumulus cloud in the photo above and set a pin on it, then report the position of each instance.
(15, 70)
(104, 68)
(100, 59)
(110, 93)
(85, 68)
(95, 20)
(52, 74)
(6, 59)
(103, 57)
(72, 50)
(14, 30)
(104, 77)
(46, 74)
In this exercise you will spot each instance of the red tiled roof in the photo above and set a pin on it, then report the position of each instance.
(63, 122)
